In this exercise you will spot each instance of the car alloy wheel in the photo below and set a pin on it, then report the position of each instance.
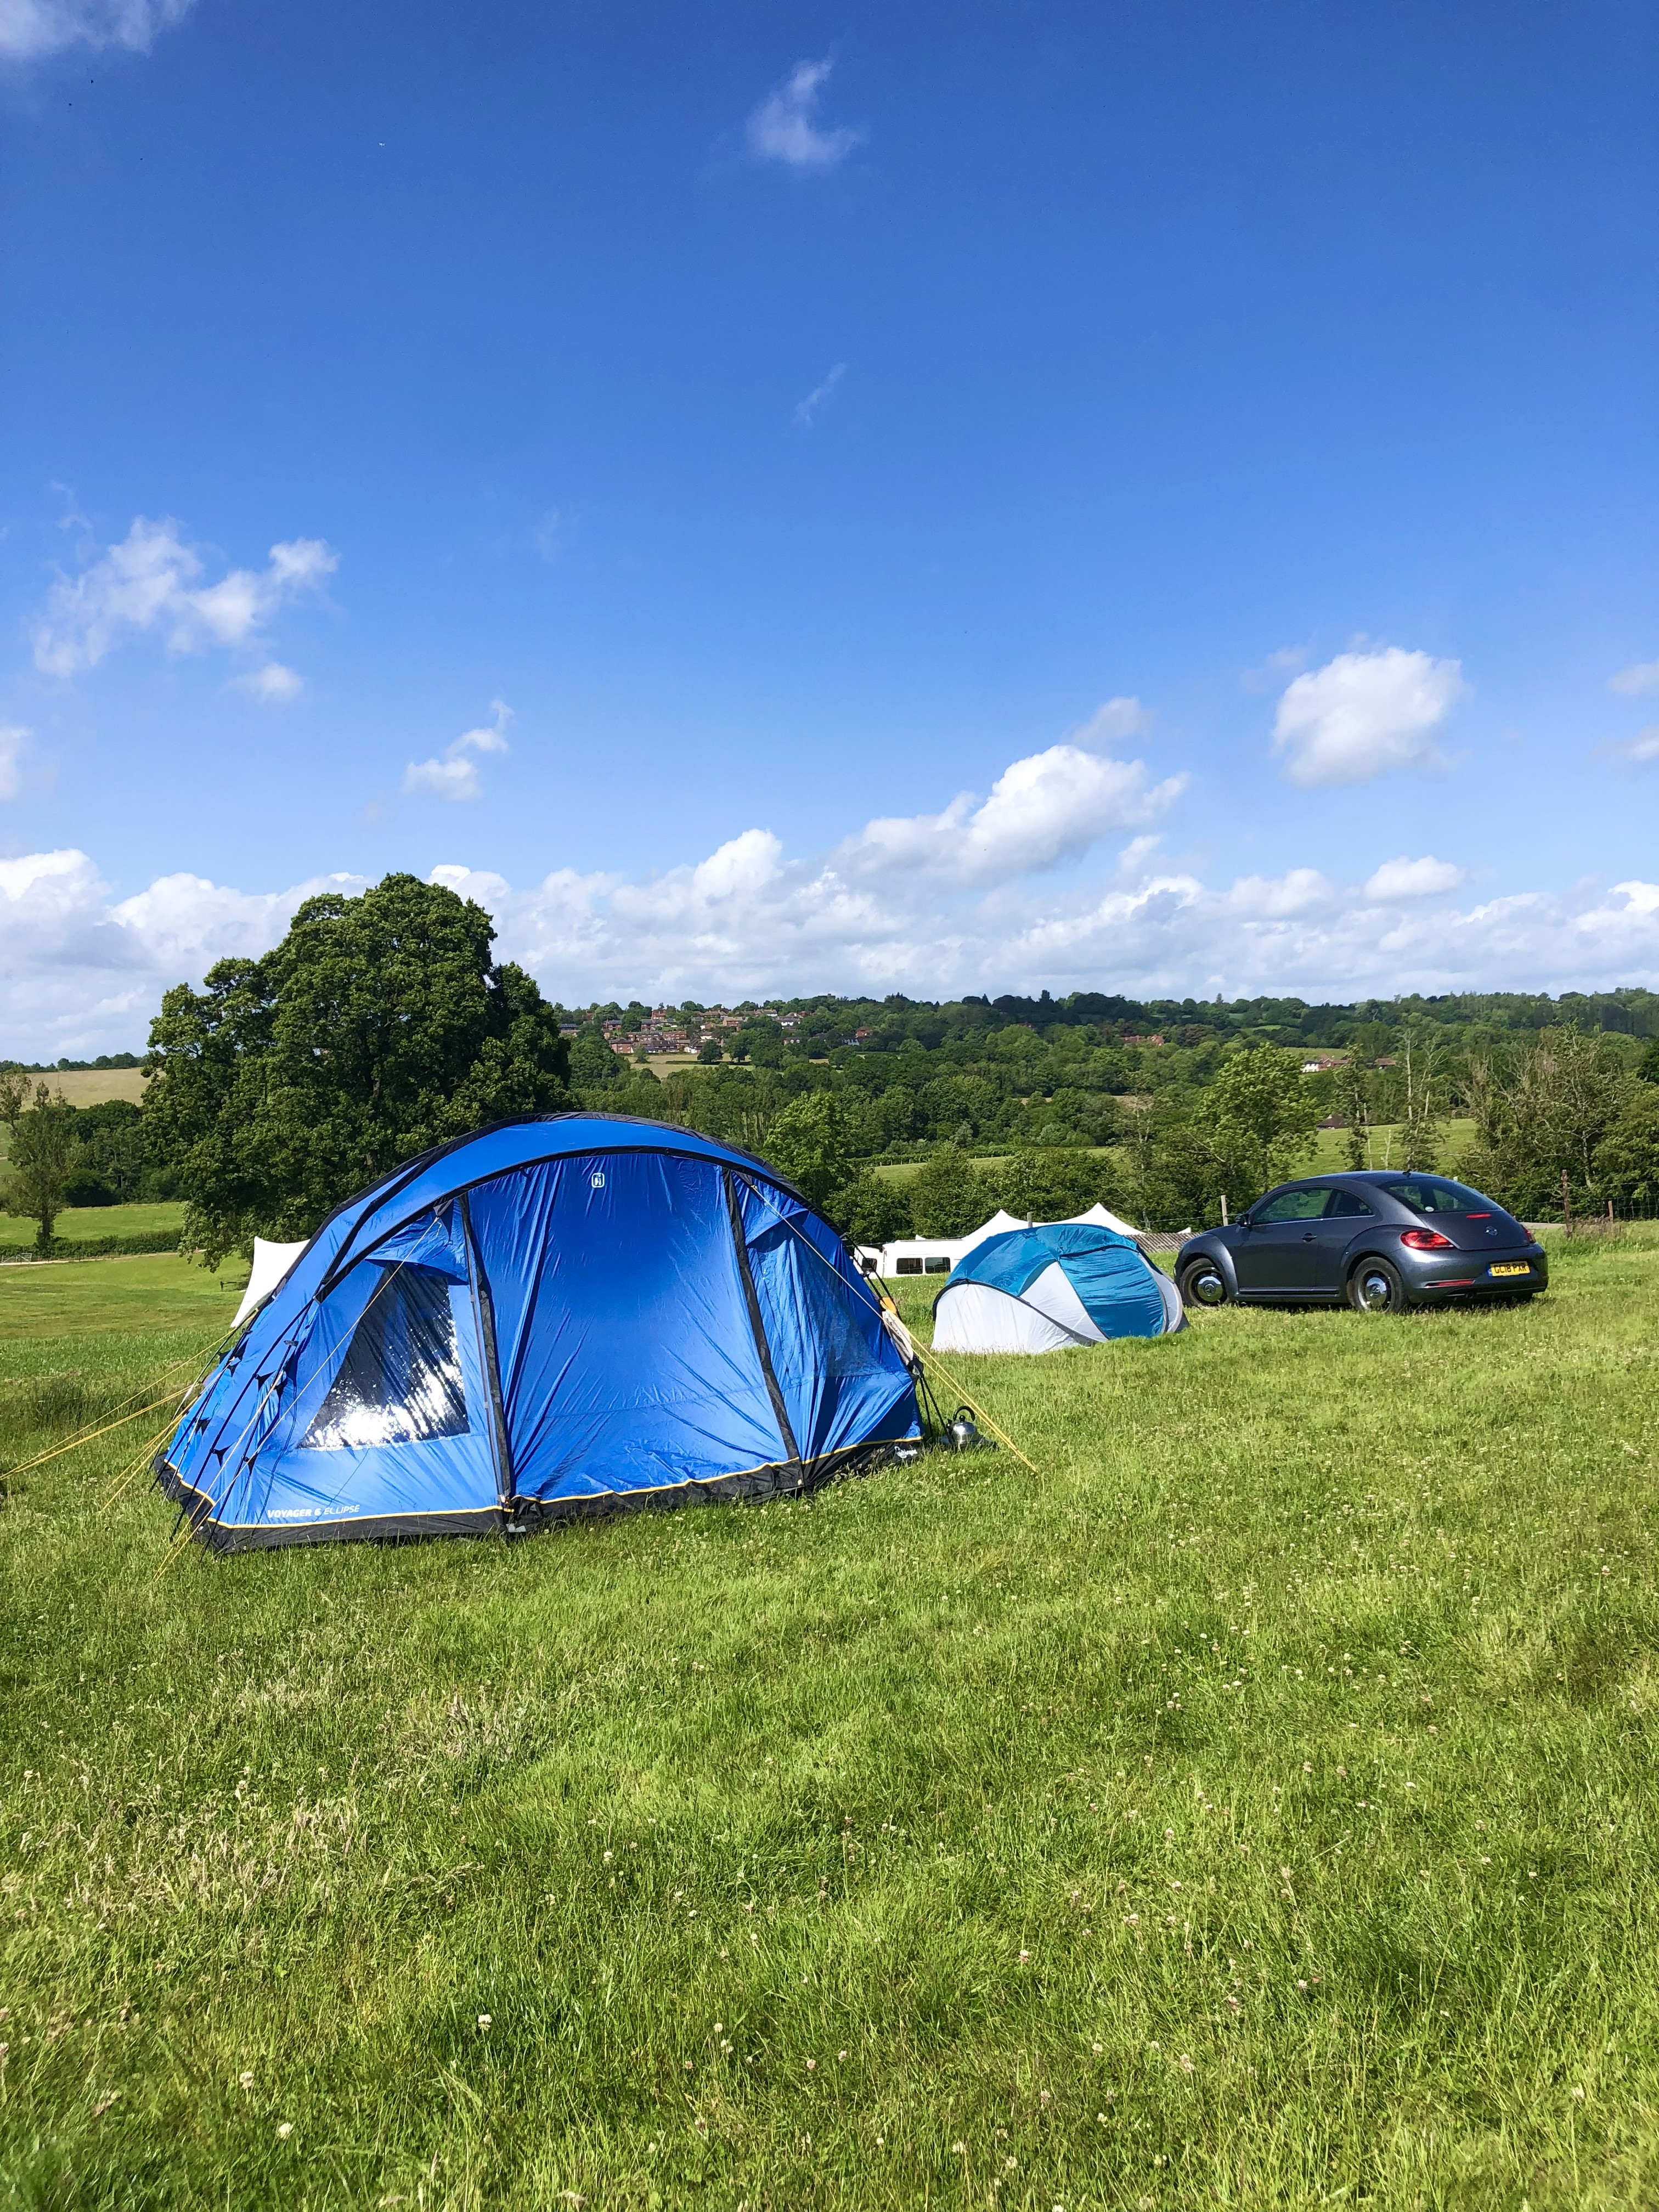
(1203, 1284)
(1376, 1287)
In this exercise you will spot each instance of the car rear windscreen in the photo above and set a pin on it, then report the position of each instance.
(1437, 1195)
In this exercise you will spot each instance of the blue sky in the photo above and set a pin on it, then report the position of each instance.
(1147, 498)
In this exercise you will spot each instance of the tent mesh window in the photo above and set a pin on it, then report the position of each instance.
(400, 1382)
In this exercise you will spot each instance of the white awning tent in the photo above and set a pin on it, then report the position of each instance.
(271, 1262)
(937, 1256)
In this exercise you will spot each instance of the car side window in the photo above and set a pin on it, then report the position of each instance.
(1293, 1205)
(1344, 1204)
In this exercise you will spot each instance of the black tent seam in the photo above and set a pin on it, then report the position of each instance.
(740, 1244)
(486, 1306)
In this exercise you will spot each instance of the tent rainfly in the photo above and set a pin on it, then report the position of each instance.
(1040, 1290)
(552, 1317)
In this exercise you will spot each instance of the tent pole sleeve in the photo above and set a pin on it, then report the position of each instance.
(486, 1309)
(781, 1412)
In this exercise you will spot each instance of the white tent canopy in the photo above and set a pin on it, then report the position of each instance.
(937, 1256)
(271, 1262)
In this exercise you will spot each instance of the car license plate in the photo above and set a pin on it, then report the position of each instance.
(1510, 1267)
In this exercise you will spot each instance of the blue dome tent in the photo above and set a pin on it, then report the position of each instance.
(552, 1317)
(1043, 1288)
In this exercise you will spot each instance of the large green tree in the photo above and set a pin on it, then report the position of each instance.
(1541, 1114)
(809, 1140)
(379, 1026)
(43, 1154)
(1256, 1120)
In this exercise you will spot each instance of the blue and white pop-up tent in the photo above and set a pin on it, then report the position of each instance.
(1040, 1290)
(552, 1317)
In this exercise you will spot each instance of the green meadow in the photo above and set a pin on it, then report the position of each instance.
(1253, 1805)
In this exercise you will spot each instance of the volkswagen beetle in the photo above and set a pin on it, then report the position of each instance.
(1380, 1239)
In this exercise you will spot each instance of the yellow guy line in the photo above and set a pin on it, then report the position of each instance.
(74, 1442)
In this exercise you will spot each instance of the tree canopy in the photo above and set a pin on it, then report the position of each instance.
(379, 1027)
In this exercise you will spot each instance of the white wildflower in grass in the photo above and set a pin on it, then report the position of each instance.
(245, 2080)
(1185, 2064)
(960, 2148)
(284, 2129)
(485, 2023)
(811, 2065)
(1023, 1956)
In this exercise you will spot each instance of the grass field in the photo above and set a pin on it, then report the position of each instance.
(17, 1235)
(1256, 1807)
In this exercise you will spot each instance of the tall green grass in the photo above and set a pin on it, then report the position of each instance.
(1256, 1808)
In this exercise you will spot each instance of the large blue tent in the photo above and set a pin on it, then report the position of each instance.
(552, 1317)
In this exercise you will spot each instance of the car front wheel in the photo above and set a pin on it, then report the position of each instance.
(1203, 1284)
(1375, 1287)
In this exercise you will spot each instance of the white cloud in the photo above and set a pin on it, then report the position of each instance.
(1041, 810)
(1363, 714)
(1111, 722)
(14, 741)
(1640, 681)
(455, 776)
(29, 28)
(785, 126)
(1404, 879)
(150, 581)
(1640, 751)
(929, 905)
(273, 685)
(815, 397)
(1271, 898)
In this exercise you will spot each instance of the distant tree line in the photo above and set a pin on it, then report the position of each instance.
(382, 1024)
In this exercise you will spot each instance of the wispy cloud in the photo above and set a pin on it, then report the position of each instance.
(1639, 681)
(151, 581)
(273, 685)
(552, 533)
(1640, 751)
(785, 126)
(1111, 722)
(1363, 714)
(454, 774)
(30, 29)
(14, 741)
(815, 397)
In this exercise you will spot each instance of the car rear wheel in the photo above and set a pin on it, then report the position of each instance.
(1375, 1287)
(1203, 1284)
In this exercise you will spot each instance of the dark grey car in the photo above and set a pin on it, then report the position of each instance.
(1381, 1241)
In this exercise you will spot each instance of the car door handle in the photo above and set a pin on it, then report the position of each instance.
(1307, 1237)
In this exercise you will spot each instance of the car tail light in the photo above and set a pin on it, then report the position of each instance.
(1427, 1240)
